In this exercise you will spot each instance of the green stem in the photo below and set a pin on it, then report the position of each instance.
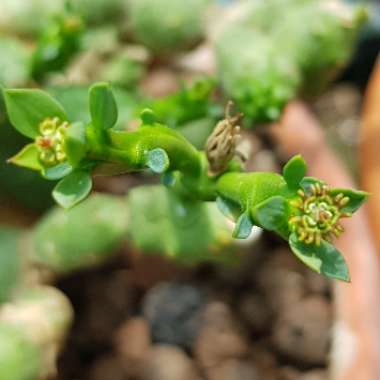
(250, 189)
(130, 149)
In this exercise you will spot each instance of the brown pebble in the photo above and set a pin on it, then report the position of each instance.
(165, 362)
(303, 332)
(107, 368)
(133, 344)
(288, 373)
(220, 337)
(147, 271)
(317, 283)
(317, 374)
(265, 361)
(233, 369)
(281, 280)
(254, 312)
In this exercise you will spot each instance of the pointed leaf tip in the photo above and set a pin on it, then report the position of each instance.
(294, 171)
(27, 108)
(27, 158)
(324, 259)
(243, 227)
(356, 198)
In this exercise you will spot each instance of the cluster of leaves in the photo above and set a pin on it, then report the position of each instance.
(307, 199)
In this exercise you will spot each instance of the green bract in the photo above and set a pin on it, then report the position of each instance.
(302, 210)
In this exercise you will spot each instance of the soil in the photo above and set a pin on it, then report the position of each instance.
(270, 318)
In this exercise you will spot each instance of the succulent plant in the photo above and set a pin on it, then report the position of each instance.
(265, 59)
(300, 209)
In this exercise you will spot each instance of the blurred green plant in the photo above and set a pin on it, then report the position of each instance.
(14, 62)
(32, 330)
(167, 26)
(57, 44)
(265, 59)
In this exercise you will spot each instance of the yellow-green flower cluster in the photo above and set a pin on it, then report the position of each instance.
(50, 142)
(318, 214)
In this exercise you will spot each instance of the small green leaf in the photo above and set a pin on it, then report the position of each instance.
(27, 158)
(72, 189)
(228, 208)
(103, 106)
(28, 108)
(57, 172)
(357, 198)
(148, 117)
(272, 214)
(243, 227)
(75, 143)
(324, 259)
(157, 160)
(294, 171)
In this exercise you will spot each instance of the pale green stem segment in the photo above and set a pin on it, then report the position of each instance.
(131, 150)
(247, 190)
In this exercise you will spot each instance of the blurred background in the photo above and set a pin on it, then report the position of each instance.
(134, 285)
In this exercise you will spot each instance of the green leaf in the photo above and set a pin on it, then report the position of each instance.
(272, 214)
(243, 227)
(73, 188)
(57, 172)
(357, 198)
(28, 108)
(157, 160)
(228, 208)
(75, 143)
(27, 158)
(103, 106)
(294, 171)
(324, 259)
